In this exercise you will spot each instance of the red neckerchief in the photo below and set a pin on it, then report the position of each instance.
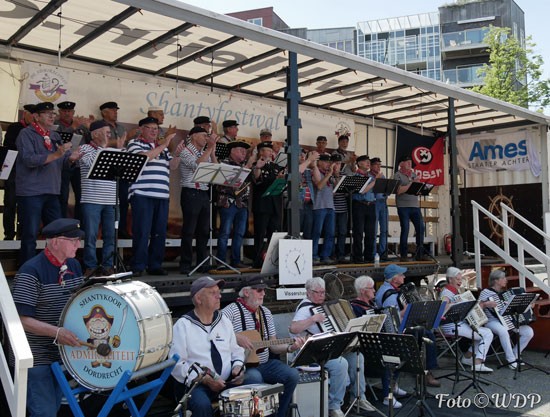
(22, 121)
(65, 124)
(63, 268)
(361, 172)
(255, 315)
(452, 289)
(44, 134)
(155, 143)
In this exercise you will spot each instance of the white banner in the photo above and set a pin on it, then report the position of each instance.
(181, 105)
(491, 152)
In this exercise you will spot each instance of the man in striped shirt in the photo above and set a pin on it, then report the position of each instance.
(97, 203)
(248, 313)
(42, 287)
(195, 198)
(149, 197)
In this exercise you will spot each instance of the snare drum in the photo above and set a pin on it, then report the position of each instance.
(241, 401)
(126, 326)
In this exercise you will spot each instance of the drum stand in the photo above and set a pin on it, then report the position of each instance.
(121, 392)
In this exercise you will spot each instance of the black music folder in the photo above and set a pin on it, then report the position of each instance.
(420, 188)
(385, 186)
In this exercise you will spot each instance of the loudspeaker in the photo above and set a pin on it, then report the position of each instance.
(307, 396)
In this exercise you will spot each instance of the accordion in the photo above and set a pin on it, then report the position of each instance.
(408, 294)
(476, 317)
(337, 315)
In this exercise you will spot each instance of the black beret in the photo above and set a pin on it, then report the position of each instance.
(343, 137)
(362, 158)
(201, 119)
(238, 144)
(147, 120)
(336, 157)
(109, 105)
(98, 124)
(375, 160)
(63, 227)
(66, 105)
(45, 106)
(197, 129)
(229, 123)
(253, 282)
(324, 157)
(29, 107)
(405, 158)
(265, 144)
(321, 138)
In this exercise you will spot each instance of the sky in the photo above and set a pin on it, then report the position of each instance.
(315, 14)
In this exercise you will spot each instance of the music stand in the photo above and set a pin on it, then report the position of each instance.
(222, 151)
(419, 188)
(7, 162)
(320, 349)
(457, 313)
(423, 315)
(514, 307)
(218, 174)
(385, 186)
(391, 352)
(116, 165)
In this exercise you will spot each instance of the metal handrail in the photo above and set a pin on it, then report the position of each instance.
(524, 246)
(16, 389)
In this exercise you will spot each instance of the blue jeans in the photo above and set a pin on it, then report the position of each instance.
(238, 218)
(414, 215)
(149, 223)
(352, 372)
(92, 216)
(339, 380)
(382, 221)
(272, 372)
(323, 221)
(43, 392)
(30, 211)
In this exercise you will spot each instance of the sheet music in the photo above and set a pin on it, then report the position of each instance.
(8, 164)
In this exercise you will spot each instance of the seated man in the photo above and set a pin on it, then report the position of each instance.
(304, 323)
(482, 336)
(248, 313)
(388, 296)
(205, 336)
(489, 299)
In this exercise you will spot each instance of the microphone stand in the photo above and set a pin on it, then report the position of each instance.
(182, 403)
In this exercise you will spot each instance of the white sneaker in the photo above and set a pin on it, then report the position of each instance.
(399, 392)
(365, 405)
(480, 367)
(396, 404)
(336, 413)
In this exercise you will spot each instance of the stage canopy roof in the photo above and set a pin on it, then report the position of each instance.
(168, 38)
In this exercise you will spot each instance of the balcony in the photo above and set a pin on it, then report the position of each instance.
(465, 43)
(463, 77)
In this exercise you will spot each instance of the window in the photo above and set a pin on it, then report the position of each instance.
(256, 21)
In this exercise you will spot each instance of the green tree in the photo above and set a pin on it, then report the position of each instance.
(513, 73)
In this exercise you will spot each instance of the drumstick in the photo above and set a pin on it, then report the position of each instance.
(102, 349)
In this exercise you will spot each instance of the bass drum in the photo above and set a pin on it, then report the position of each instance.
(124, 326)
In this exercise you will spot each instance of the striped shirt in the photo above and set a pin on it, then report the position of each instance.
(94, 191)
(188, 166)
(154, 181)
(242, 319)
(37, 293)
(340, 202)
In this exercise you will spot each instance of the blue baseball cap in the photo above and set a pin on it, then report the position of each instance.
(392, 270)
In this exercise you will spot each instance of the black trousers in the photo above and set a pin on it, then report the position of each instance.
(195, 207)
(363, 231)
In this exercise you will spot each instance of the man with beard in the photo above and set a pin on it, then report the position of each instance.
(248, 313)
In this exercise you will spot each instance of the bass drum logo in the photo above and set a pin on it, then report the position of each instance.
(422, 156)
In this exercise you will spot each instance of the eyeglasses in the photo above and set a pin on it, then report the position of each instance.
(369, 288)
(48, 113)
(150, 127)
(73, 240)
(318, 292)
(259, 289)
